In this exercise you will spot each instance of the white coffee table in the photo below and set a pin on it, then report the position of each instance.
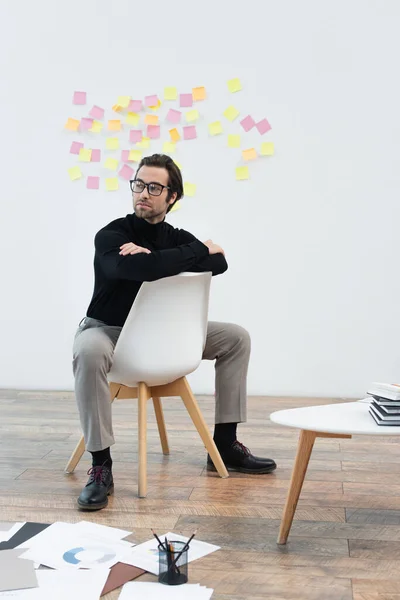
(329, 421)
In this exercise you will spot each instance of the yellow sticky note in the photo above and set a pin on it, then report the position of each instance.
(179, 165)
(111, 184)
(199, 93)
(249, 154)
(145, 143)
(189, 189)
(151, 119)
(170, 93)
(215, 128)
(174, 135)
(123, 101)
(267, 149)
(117, 108)
(169, 148)
(74, 173)
(242, 173)
(234, 85)
(176, 206)
(111, 163)
(132, 118)
(72, 124)
(233, 141)
(112, 143)
(135, 155)
(114, 125)
(231, 113)
(85, 154)
(157, 106)
(192, 115)
(97, 126)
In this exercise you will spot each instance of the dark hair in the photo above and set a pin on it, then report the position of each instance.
(174, 173)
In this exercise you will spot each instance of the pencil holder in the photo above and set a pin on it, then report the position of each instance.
(173, 563)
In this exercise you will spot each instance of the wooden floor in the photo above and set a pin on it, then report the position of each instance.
(345, 540)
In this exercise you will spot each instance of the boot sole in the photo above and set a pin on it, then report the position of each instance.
(96, 506)
(243, 470)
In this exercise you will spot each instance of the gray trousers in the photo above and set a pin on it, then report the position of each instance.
(93, 350)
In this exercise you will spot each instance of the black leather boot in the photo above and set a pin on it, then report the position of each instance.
(239, 458)
(99, 486)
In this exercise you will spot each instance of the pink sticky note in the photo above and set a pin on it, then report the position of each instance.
(75, 147)
(126, 172)
(135, 135)
(92, 183)
(125, 155)
(174, 116)
(79, 98)
(151, 100)
(263, 126)
(96, 112)
(153, 131)
(185, 100)
(136, 105)
(96, 155)
(189, 132)
(86, 124)
(247, 123)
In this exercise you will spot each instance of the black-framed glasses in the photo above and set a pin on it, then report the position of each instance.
(154, 189)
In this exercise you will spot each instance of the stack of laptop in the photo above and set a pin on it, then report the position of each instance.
(385, 405)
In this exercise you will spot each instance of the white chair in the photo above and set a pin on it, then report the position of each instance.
(161, 342)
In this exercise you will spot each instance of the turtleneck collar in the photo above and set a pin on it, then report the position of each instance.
(143, 225)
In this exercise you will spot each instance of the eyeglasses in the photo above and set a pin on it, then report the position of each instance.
(154, 189)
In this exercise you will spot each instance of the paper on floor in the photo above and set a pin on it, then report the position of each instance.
(7, 530)
(14, 572)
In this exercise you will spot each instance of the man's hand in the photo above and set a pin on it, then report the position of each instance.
(213, 248)
(132, 248)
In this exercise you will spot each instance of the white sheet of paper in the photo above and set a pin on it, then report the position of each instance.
(145, 556)
(157, 591)
(64, 585)
(109, 533)
(7, 530)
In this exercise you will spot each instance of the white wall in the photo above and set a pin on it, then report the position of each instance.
(312, 240)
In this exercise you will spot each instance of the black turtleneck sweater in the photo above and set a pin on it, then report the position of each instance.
(118, 278)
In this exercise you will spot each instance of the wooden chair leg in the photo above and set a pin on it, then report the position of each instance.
(143, 396)
(75, 456)
(161, 424)
(304, 449)
(194, 411)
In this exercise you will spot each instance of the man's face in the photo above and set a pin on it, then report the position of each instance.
(149, 206)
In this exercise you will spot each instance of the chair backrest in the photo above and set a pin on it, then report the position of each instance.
(164, 335)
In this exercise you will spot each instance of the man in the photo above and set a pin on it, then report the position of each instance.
(128, 251)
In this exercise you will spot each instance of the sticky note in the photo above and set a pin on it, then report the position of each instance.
(86, 124)
(189, 189)
(156, 106)
(234, 85)
(135, 135)
(247, 123)
(199, 93)
(233, 141)
(135, 155)
(267, 149)
(132, 118)
(176, 206)
(125, 155)
(151, 119)
(135, 105)
(114, 125)
(112, 143)
(215, 128)
(93, 183)
(96, 155)
(123, 101)
(153, 131)
(185, 100)
(79, 98)
(96, 127)
(231, 113)
(169, 148)
(170, 93)
(75, 147)
(111, 163)
(72, 125)
(117, 108)
(75, 173)
(112, 184)
(192, 115)
(85, 154)
(126, 172)
(145, 143)
(189, 132)
(96, 112)
(174, 135)
(249, 154)
(178, 164)
(263, 126)
(151, 100)
(174, 116)
(242, 173)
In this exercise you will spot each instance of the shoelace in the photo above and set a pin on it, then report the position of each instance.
(242, 447)
(98, 474)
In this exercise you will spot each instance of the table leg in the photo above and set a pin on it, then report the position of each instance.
(304, 449)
